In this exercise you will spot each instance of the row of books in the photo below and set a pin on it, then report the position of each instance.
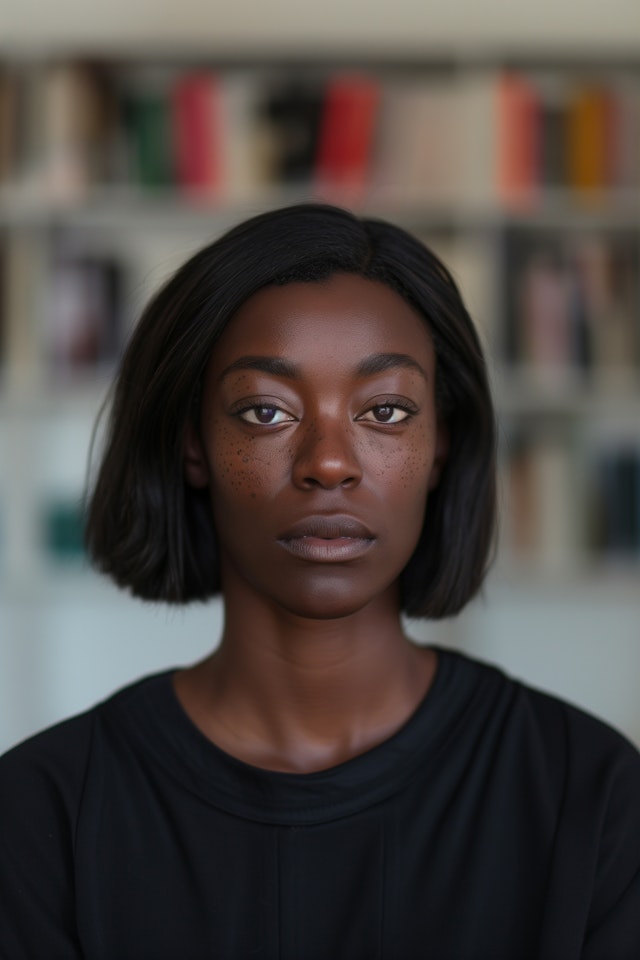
(81, 314)
(573, 302)
(571, 310)
(469, 133)
(562, 504)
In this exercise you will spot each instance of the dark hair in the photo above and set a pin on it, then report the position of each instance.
(154, 534)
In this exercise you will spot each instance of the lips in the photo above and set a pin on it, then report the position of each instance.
(332, 527)
(327, 539)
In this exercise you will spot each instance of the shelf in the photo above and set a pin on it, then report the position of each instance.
(569, 405)
(421, 31)
(566, 394)
(114, 207)
(517, 395)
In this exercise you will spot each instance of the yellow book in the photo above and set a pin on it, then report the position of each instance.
(589, 139)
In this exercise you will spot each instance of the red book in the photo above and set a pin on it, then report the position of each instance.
(519, 139)
(196, 116)
(347, 129)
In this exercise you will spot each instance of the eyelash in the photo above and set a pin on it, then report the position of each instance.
(392, 403)
(262, 406)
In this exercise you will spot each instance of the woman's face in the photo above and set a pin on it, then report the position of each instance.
(319, 443)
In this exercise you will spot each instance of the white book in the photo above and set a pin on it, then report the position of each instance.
(417, 153)
(248, 146)
(479, 141)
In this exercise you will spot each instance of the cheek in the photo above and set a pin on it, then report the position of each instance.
(240, 470)
(404, 465)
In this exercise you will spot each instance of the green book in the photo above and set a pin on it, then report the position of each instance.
(150, 140)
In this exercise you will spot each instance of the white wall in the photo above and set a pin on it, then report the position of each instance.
(372, 26)
(577, 643)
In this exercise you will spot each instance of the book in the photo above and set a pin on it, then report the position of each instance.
(607, 266)
(346, 135)
(418, 142)
(542, 510)
(519, 149)
(249, 151)
(624, 153)
(479, 116)
(83, 320)
(544, 315)
(149, 133)
(196, 132)
(589, 130)
(571, 303)
(293, 106)
(553, 97)
(617, 502)
(77, 136)
(8, 123)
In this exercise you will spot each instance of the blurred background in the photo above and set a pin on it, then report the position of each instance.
(507, 135)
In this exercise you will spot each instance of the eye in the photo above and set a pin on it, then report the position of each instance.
(387, 413)
(264, 414)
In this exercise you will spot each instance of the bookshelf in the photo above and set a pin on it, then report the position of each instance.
(523, 173)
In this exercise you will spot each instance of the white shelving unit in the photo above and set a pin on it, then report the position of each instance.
(561, 619)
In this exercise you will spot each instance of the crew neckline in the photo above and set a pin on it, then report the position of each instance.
(158, 718)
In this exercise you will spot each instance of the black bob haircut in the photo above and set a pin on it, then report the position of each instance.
(153, 533)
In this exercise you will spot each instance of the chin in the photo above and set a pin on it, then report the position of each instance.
(335, 601)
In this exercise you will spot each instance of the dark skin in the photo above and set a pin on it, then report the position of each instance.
(319, 441)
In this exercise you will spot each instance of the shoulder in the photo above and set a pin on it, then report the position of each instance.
(557, 739)
(49, 768)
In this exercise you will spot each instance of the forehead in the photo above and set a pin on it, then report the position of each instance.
(339, 320)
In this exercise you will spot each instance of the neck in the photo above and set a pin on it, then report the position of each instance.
(300, 694)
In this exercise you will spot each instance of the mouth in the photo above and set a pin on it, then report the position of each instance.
(332, 539)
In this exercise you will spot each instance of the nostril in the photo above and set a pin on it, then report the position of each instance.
(326, 458)
(327, 483)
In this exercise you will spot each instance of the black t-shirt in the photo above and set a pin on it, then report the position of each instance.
(497, 823)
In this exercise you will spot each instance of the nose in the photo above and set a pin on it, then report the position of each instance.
(326, 457)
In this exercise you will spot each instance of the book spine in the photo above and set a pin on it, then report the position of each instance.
(588, 138)
(84, 313)
(196, 132)
(519, 140)
(346, 134)
(150, 137)
(8, 124)
(619, 508)
(293, 110)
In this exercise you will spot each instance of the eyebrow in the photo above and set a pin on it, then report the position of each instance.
(276, 366)
(380, 362)
(368, 367)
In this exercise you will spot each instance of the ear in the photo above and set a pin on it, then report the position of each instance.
(196, 468)
(443, 443)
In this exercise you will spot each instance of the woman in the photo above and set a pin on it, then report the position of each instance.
(302, 422)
